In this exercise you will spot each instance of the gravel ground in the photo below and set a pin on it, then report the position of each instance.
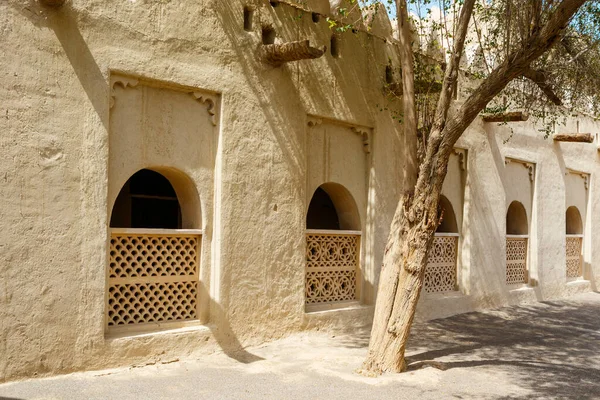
(545, 350)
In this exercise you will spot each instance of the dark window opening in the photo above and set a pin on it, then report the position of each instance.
(248, 15)
(316, 17)
(321, 212)
(335, 47)
(448, 223)
(147, 200)
(268, 35)
(516, 219)
(574, 222)
(389, 76)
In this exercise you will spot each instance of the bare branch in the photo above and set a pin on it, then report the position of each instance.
(539, 78)
(536, 16)
(408, 90)
(478, 31)
(514, 65)
(451, 74)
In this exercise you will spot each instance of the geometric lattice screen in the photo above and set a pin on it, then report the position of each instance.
(332, 262)
(152, 278)
(574, 256)
(440, 273)
(516, 260)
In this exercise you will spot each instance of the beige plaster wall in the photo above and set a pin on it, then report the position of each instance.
(68, 152)
(491, 185)
(254, 164)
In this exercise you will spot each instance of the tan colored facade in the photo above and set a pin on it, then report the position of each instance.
(94, 92)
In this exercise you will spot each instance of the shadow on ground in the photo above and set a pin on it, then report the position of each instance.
(549, 348)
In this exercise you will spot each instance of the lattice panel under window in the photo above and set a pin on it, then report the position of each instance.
(516, 260)
(152, 278)
(332, 262)
(574, 257)
(440, 274)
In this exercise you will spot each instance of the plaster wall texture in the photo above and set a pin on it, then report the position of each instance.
(94, 91)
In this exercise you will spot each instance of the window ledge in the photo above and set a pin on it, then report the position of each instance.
(149, 330)
(520, 287)
(455, 294)
(577, 281)
(335, 307)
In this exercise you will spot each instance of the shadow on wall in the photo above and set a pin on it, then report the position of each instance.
(223, 334)
(64, 24)
(486, 269)
(548, 348)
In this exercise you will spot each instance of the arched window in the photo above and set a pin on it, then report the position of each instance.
(517, 229)
(574, 242)
(154, 265)
(332, 246)
(516, 219)
(574, 223)
(321, 212)
(332, 207)
(441, 271)
(147, 200)
(448, 224)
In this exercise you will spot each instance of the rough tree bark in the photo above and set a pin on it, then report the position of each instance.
(416, 217)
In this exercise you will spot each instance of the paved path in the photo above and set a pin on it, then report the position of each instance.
(545, 350)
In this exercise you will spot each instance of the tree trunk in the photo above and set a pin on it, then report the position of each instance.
(416, 217)
(403, 271)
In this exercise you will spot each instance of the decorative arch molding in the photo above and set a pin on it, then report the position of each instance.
(364, 132)
(462, 157)
(208, 99)
(124, 82)
(527, 164)
(584, 175)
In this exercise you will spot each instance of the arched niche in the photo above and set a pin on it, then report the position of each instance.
(332, 207)
(516, 219)
(448, 223)
(161, 197)
(574, 222)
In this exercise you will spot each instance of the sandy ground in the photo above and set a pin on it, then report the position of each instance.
(545, 350)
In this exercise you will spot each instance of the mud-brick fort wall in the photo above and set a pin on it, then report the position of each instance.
(275, 185)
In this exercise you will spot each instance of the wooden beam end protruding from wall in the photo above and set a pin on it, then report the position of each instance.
(277, 54)
(513, 116)
(574, 137)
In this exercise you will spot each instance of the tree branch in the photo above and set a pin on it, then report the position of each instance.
(539, 78)
(514, 65)
(451, 74)
(409, 123)
(444, 101)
